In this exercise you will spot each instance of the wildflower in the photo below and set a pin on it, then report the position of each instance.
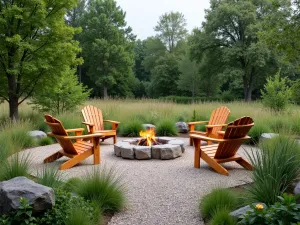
(259, 206)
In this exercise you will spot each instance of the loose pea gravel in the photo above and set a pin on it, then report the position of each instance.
(159, 192)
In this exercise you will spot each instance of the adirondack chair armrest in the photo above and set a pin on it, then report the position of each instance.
(204, 138)
(88, 123)
(99, 135)
(192, 124)
(216, 125)
(113, 123)
(75, 130)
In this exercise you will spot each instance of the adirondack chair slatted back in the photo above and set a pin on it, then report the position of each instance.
(218, 116)
(236, 129)
(58, 129)
(93, 115)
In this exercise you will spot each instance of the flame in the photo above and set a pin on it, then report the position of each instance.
(149, 135)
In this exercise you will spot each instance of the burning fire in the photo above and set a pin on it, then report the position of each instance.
(149, 136)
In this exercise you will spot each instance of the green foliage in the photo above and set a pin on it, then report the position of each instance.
(222, 217)
(218, 199)
(23, 216)
(286, 211)
(276, 166)
(104, 188)
(64, 95)
(131, 128)
(166, 128)
(71, 184)
(256, 132)
(15, 166)
(171, 29)
(49, 177)
(277, 93)
(65, 202)
(78, 217)
(107, 39)
(189, 100)
(45, 141)
(36, 49)
(295, 92)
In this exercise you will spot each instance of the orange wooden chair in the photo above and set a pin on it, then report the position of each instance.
(76, 151)
(235, 133)
(94, 121)
(215, 124)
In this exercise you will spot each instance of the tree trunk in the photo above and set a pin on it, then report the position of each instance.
(248, 94)
(248, 85)
(105, 91)
(13, 108)
(13, 98)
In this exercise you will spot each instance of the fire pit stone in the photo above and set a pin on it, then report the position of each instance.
(142, 152)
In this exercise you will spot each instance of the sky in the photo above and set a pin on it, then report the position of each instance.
(143, 15)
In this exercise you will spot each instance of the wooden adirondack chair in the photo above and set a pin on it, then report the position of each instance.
(215, 124)
(94, 121)
(235, 133)
(76, 151)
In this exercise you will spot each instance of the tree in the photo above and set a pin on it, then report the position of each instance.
(64, 95)
(232, 27)
(140, 54)
(35, 46)
(171, 29)
(108, 47)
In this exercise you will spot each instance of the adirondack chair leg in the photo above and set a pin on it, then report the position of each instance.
(244, 163)
(197, 153)
(75, 160)
(191, 141)
(115, 139)
(213, 164)
(96, 150)
(53, 157)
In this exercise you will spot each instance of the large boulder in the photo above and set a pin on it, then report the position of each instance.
(268, 136)
(297, 189)
(37, 134)
(182, 127)
(39, 196)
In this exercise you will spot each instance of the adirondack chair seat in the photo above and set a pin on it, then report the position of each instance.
(76, 151)
(215, 124)
(227, 147)
(93, 119)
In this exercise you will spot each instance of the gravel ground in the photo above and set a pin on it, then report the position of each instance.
(158, 192)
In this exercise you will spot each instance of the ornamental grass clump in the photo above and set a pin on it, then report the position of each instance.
(49, 177)
(166, 128)
(276, 165)
(131, 128)
(222, 217)
(103, 187)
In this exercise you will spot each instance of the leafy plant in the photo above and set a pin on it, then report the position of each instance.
(104, 188)
(284, 212)
(131, 128)
(17, 165)
(166, 128)
(78, 217)
(276, 166)
(49, 177)
(45, 141)
(277, 93)
(222, 217)
(218, 199)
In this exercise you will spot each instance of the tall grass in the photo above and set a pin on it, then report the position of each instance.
(15, 166)
(78, 217)
(103, 187)
(50, 177)
(166, 128)
(276, 166)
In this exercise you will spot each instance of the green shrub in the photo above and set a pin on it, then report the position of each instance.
(295, 92)
(72, 184)
(45, 141)
(78, 217)
(189, 100)
(15, 166)
(256, 131)
(65, 202)
(166, 128)
(277, 93)
(219, 198)
(286, 211)
(49, 177)
(131, 128)
(222, 217)
(276, 166)
(104, 188)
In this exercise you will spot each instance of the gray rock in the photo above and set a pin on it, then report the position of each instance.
(127, 152)
(165, 140)
(37, 134)
(268, 136)
(178, 142)
(40, 197)
(142, 152)
(297, 189)
(132, 141)
(242, 211)
(182, 127)
(148, 126)
(155, 152)
(118, 147)
(170, 151)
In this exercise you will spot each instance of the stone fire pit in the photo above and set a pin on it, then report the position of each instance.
(169, 148)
